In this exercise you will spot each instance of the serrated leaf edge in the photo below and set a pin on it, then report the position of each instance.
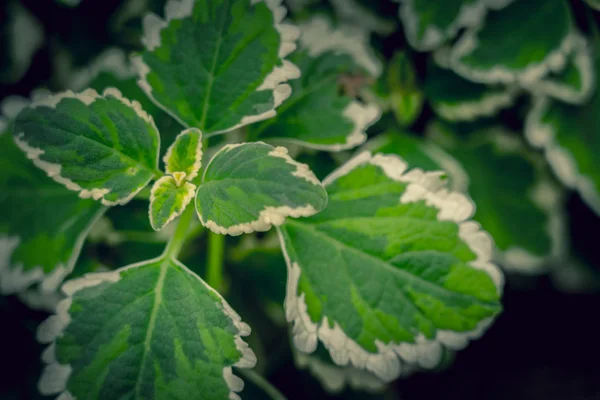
(469, 15)
(544, 194)
(113, 60)
(563, 163)
(583, 60)
(198, 154)
(269, 216)
(55, 376)
(190, 194)
(318, 36)
(487, 106)
(547, 196)
(87, 97)
(391, 359)
(554, 61)
(335, 379)
(274, 81)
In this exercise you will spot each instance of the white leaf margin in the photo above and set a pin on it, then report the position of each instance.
(190, 193)
(469, 15)
(274, 81)
(487, 106)
(13, 278)
(55, 375)
(492, 102)
(555, 60)
(87, 97)
(112, 60)
(544, 194)
(564, 165)
(335, 379)
(197, 153)
(269, 216)
(583, 62)
(318, 36)
(391, 359)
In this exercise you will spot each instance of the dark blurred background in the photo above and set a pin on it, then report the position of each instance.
(545, 345)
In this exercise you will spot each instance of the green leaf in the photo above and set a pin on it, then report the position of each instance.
(418, 153)
(112, 68)
(317, 115)
(429, 24)
(42, 224)
(543, 30)
(185, 154)
(218, 65)
(105, 147)
(497, 168)
(568, 135)
(457, 99)
(168, 200)
(576, 82)
(390, 271)
(152, 330)
(250, 186)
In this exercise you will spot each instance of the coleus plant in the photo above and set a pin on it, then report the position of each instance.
(388, 267)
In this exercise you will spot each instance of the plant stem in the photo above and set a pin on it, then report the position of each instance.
(176, 243)
(261, 383)
(143, 194)
(216, 244)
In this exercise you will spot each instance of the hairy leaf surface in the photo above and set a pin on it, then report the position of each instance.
(217, 65)
(104, 147)
(390, 271)
(152, 330)
(250, 186)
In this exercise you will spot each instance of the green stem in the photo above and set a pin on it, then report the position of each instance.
(143, 194)
(179, 237)
(216, 245)
(261, 383)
